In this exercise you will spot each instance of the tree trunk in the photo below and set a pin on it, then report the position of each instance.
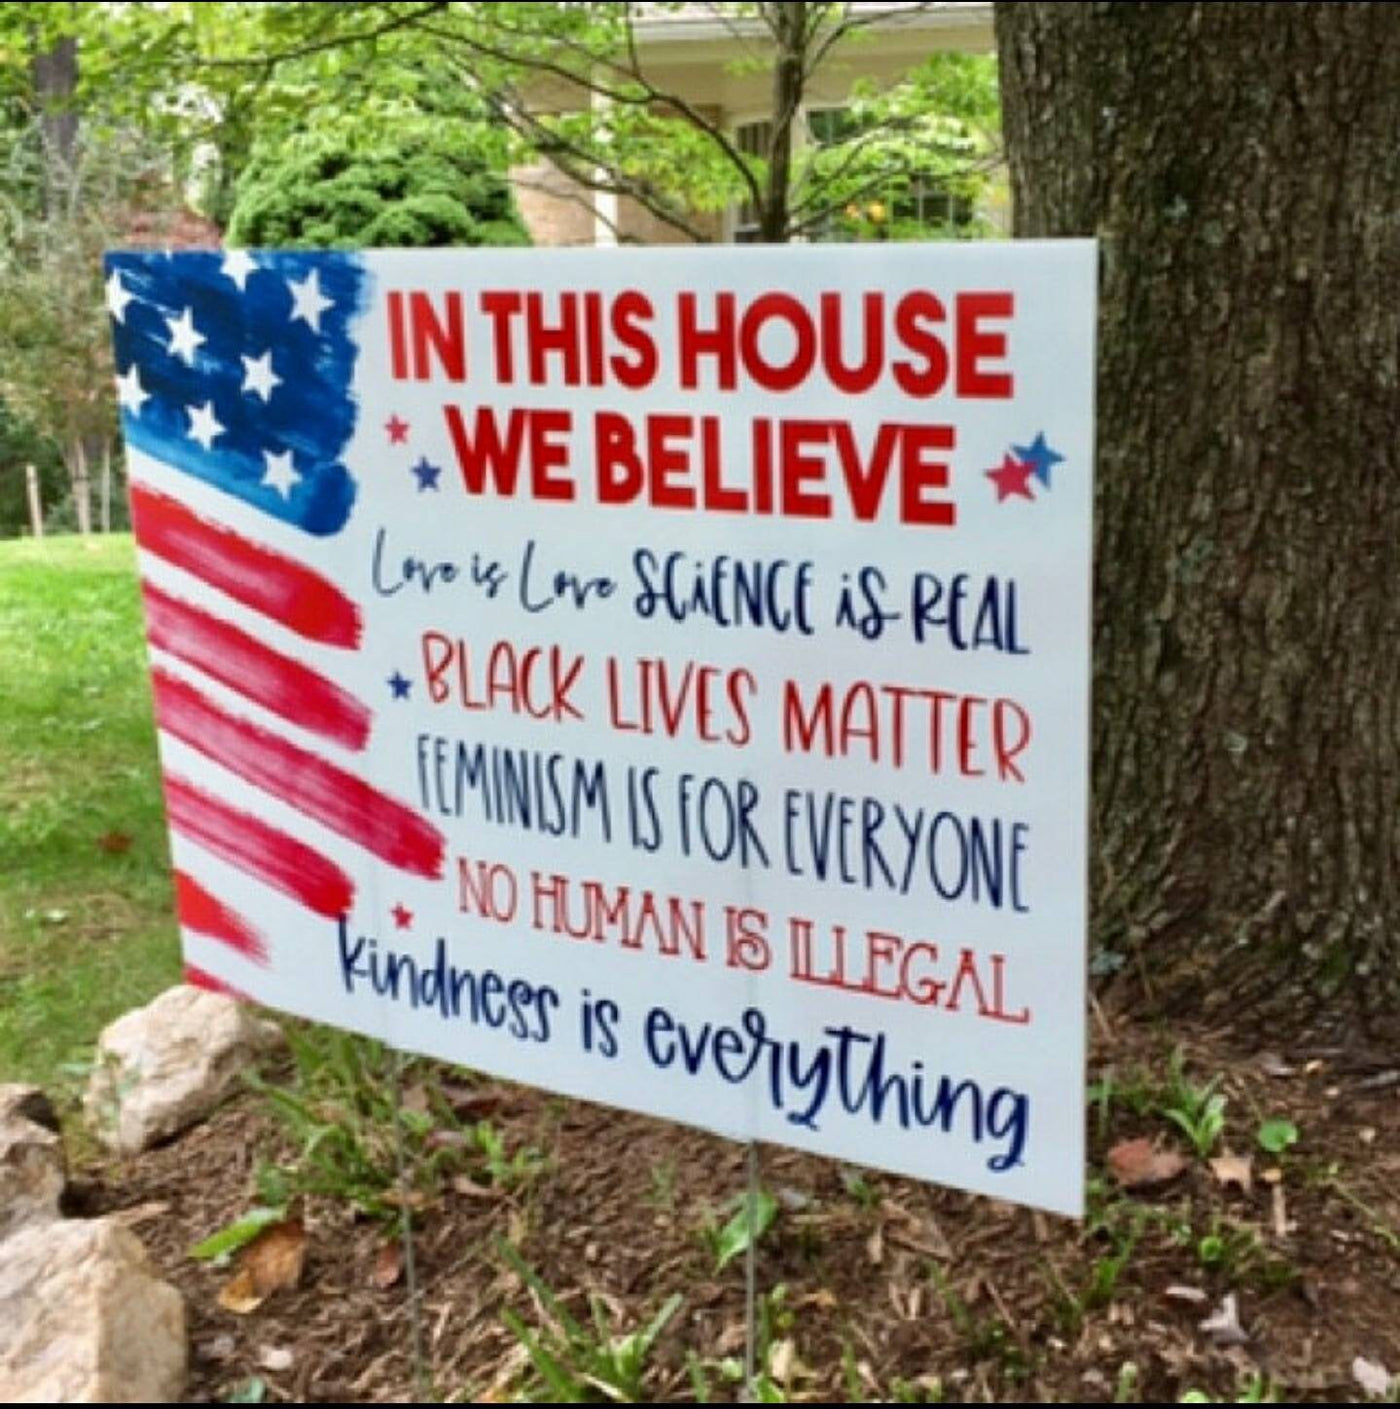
(36, 508)
(106, 484)
(55, 74)
(1241, 165)
(788, 22)
(82, 489)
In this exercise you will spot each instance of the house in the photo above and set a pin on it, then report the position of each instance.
(721, 65)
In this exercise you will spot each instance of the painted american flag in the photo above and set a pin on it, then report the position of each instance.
(235, 377)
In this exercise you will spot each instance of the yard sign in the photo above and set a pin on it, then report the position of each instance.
(659, 676)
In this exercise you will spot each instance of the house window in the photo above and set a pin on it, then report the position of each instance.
(921, 202)
(753, 139)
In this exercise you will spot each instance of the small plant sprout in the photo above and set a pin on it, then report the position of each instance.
(747, 1224)
(1277, 1135)
(1198, 1110)
(577, 1362)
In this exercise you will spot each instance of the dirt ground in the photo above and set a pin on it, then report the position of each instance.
(872, 1287)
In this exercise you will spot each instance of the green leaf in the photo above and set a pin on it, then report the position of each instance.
(734, 1236)
(1277, 1134)
(253, 1391)
(236, 1234)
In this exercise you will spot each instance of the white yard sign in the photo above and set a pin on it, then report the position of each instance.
(658, 676)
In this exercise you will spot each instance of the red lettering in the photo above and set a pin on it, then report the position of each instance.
(696, 342)
(777, 376)
(630, 311)
(922, 471)
(910, 315)
(668, 463)
(544, 339)
(843, 377)
(976, 343)
(429, 335)
(620, 473)
(799, 468)
(398, 352)
(485, 454)
(501, 309)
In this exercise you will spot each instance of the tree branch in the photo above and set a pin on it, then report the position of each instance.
(580, 165)
(397, 21)
(650, 93)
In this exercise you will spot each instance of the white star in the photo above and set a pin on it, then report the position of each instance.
(238, 265)
(184, 340)
(117, 297)
(280, 474)
(258, 376)
(204, 427)
(308, 302)
(130, 394)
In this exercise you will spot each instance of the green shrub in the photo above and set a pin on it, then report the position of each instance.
(324, 191)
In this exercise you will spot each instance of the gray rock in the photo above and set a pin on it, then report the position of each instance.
(85, 1319)
(164, 1067)
(32, 1175)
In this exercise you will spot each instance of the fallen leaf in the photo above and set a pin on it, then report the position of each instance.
(114, 843)
(822, 1298)
(1373, 1377)
(1282, 1227)
(1139, 1164)
(1271, 1064)
(875, 1246)
(275, 1358)
(472, 1190)
(413, 1200)
(416, 1099)
(518, 1226)
(274, 1259)
(732, 1338)
(1234, 1169)
(1194, 1295)
(1223, 1324)
(782, 1361)
(388, 1265)
(1367, 1134)
(142, 1213)
(239, 1295)
(479, 1101)
(446, 1140)
(1272, 1175)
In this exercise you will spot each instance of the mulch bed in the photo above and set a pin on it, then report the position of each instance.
(891, 1289)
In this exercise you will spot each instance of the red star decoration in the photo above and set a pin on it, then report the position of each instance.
(1013, 478)
(403, 917)
(398, 430)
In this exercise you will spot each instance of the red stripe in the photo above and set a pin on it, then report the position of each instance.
(241, 662)
(202, 978)
(269, 582)
(201, 912)
(341, 801)
(248, 843)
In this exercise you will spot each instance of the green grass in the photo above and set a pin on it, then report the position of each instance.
(85, 933)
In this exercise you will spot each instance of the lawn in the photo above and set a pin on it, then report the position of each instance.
(87, 926)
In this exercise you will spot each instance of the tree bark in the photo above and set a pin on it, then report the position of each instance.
(106, 484)
(1240, 164)
(36, 510)
(788, 22)
(82, 488)
(55, 75)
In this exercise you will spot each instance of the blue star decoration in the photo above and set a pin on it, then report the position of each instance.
(427, 474)
(400, 685)
(1039, 456)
